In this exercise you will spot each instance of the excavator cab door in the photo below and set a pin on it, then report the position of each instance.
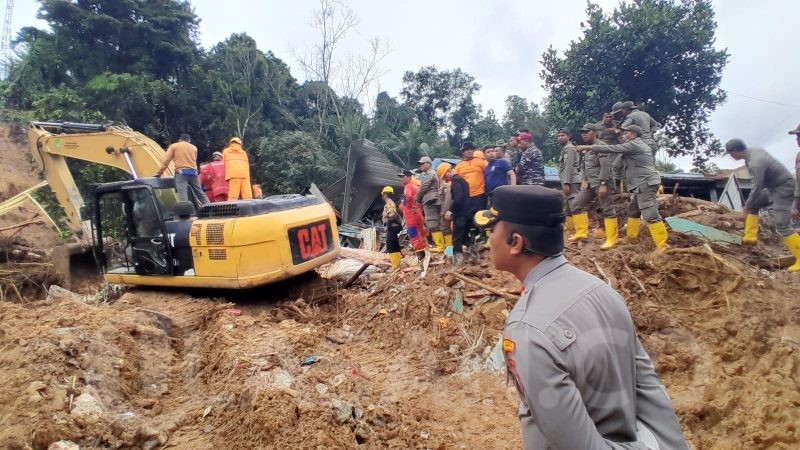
(130, 232)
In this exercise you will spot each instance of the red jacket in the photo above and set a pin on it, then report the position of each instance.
(212, 178)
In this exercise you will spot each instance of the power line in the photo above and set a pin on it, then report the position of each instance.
(763, 100)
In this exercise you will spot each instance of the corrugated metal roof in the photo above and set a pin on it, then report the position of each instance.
(368, 170)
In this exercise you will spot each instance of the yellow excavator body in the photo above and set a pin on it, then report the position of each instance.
(141, 234)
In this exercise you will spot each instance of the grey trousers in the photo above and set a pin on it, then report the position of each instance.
(644, 204)
(189, 184)
(433, 217)
(569, 201)
(782, 198)
(586, 196)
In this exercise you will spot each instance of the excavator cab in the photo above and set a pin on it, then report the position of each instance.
(134, 228)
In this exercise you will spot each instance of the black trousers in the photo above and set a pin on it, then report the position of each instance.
(393, 229)
(461, 227)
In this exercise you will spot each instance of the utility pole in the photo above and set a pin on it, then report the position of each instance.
(5, 45)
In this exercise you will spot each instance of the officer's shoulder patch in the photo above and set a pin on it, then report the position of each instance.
(508, 346)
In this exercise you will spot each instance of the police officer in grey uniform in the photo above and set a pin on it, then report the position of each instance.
(583, 378)
(428, 197)
(634, 116)
(641, 179)
(772, 183)
(597, 184)
(569, 169)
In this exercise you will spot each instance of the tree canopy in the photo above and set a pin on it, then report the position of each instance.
(659, 54)
(139, 63)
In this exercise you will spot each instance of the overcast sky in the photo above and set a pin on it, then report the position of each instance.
(500, 43)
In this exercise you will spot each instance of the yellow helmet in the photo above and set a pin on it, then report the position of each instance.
(387, 190)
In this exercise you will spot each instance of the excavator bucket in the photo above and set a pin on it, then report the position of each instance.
(74, 263)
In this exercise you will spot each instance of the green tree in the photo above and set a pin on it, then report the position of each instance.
(658, 53)
(239, 73)
(117, 36)
(487, 130)
(290, 161)
(444, 100)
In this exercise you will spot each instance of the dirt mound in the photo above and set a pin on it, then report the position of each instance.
(393, 362)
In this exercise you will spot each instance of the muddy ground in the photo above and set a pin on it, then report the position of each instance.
(388, 362)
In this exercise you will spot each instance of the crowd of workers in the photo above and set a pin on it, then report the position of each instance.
(615, 159)
(225, 178)
(570, 346)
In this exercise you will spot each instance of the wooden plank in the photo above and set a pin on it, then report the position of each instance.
(366, 256)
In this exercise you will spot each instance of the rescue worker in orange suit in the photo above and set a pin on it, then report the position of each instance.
(414, 218)
(237, 170)
(212, 178)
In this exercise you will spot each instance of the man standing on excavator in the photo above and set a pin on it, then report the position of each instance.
(237, 170)
(184, 154)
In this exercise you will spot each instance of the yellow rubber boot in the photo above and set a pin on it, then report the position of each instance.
(438, 239)
(612, 233)
(658, 231)
(395, 258)
(581, 222)
(633, 227)
(793, 242)
(448, 240)
(750, 230)
(569, 227)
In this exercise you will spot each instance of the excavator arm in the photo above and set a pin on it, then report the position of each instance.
(51, 143)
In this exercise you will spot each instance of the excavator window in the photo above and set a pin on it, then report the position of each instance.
(131, 231)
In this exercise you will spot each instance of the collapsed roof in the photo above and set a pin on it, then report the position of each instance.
(368, 171)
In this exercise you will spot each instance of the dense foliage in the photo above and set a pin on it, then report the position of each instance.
(659, 54)
(140, 63)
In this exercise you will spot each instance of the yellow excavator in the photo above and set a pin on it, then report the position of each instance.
(141, 235)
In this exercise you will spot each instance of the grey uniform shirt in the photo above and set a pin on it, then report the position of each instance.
(584, 380)
(569, 165)
(643, 120)
(428, 189)
(767, 173)
(597, 167)
(640, 167)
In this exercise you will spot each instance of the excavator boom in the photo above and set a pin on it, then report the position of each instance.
(51, 143)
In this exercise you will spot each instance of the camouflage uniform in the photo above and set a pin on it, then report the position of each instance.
(530, 169)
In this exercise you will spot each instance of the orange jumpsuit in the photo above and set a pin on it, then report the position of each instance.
(237, 172)
(212, 178)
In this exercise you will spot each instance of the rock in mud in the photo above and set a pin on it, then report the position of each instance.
(64, 445)
(343, 411)
(86, 409)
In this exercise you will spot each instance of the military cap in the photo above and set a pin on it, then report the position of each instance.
(524, 205)
(405, 173)
(635, 128)
(500, 143)
(796, 130)
(424, 160)
(467, 145)
(566, 131)
(735, 144)
(592, 127)
(616, 108)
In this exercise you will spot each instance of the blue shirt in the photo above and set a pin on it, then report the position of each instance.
(496, 174)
